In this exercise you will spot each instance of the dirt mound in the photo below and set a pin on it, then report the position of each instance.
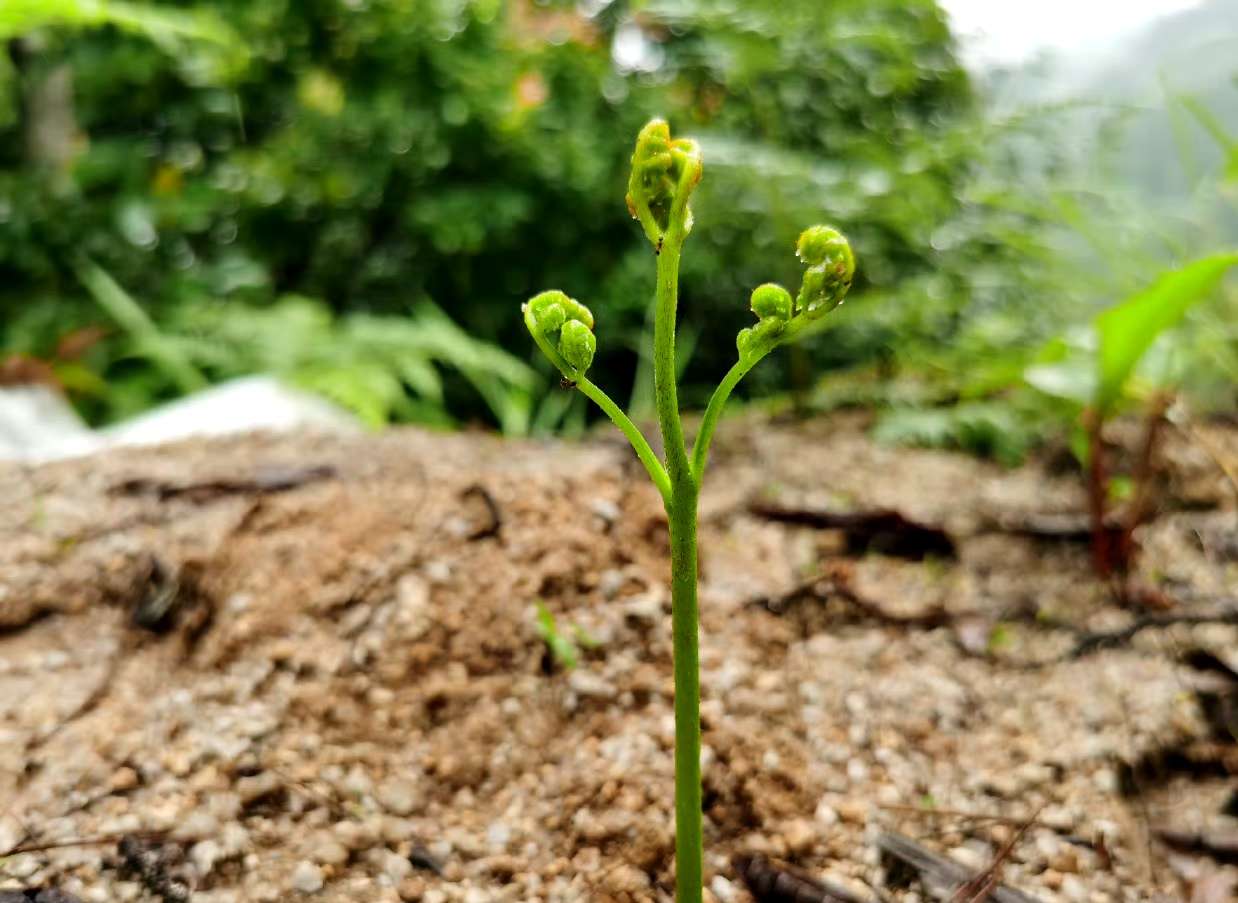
(307, 666)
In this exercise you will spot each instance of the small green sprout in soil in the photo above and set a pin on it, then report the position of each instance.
(564, 650)
(665, 172)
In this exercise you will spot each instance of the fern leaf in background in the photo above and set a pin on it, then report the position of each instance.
(196, 38)
(382, 368)
(1127, 331)
(147, 340)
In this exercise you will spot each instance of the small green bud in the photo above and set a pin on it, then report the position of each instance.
(760, 338)
(771, 300)
(743, 340)
(553, 308)
(817, 243)
(653, 144)
(577, 311)
(549, 310)
(577, 344)
(767, 329)
(830, 271)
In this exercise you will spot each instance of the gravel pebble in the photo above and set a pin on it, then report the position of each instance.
(398, 795)
(307, 878)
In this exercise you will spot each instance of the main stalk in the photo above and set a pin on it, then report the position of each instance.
(681, 514)
(684, 619)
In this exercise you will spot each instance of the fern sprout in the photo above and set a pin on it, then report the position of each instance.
(665, 172)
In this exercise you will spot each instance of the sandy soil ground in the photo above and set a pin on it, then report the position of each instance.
(275, 668)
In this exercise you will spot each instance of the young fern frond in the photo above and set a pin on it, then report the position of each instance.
(552, 312)
(665, 172)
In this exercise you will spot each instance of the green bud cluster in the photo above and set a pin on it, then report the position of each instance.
(552, 312)
(830, 269)
(664, 174)
(831, 266)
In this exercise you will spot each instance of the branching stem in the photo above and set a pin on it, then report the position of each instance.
(717, 401)
(640, 444)
(657, 473)
(666, 395)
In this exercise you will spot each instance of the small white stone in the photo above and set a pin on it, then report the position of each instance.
(498, 835)
(1074, 889)
(1105, 780)
(1033, 774)
(723, 889)
(888, 795)
(708, 757)
(307, 878)
(22, 866)
(437, 571)
(1107, 829)
(204, 855)
(233, 839)
(326, 850)
(1059, 818)
(969, 857)
(1003, 784)
(10, 833)
(605, 509)
(858, 736)
(610, 582)
(398, 796)
(357, 782)
(644, 608)
(254, 787)
(356, 835)
(587, 684)
(857, 771)
(395, 866)
(198, 825)
(826, 814)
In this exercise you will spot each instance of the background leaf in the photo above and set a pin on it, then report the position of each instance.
(1125, 332)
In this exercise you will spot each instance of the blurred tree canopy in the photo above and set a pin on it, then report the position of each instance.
(371, 154)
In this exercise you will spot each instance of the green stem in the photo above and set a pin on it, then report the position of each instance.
(717, 401)
(640, 445)
(681, 515)
(689, 841)
(665, 393)
(705, 435)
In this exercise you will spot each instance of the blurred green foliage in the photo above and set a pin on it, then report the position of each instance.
(381, 367)
(287, 185)
(376, 154)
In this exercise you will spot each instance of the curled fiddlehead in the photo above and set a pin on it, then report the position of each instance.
(773, 306)
(665, 172)
(830, 266)
(562, 327)
(552, 313)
